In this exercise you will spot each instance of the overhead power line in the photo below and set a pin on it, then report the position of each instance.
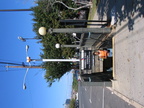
(12, 63)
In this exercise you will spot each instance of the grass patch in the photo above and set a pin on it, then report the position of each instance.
(92, 10)
(72, 103)
(75, 84)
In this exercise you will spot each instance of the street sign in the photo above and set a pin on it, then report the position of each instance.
(86, 60)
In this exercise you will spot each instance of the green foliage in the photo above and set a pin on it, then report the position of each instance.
(72, 103)
(75, 84)
(48, 15)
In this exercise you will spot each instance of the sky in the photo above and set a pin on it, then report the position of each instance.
(37, 94)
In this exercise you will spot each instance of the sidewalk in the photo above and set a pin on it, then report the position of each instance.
(128, 61)
(128, 49)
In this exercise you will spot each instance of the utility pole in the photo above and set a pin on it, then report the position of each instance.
(22, 65)
(11, 10)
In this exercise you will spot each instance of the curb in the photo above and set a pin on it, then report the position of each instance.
(113, 39)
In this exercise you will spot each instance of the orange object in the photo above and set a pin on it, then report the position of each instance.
(102, 54)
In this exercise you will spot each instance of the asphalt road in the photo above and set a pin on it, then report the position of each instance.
(99, 97)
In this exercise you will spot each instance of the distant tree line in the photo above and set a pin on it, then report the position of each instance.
(72, 103)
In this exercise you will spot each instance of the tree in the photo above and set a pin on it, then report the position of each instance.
(48, 15)
(84, 6)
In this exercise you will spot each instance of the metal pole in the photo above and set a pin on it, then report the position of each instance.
(29, 38)
(10, 10)
(24, 66)
(60, 60)
(53, 60)
(74, 21)
(82, 22)
(70, 46)
(81, 30)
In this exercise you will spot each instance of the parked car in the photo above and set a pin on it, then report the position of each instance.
(77, 104)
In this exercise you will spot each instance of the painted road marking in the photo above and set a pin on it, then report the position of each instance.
(90, 100)
(83, 105)
(90, 94)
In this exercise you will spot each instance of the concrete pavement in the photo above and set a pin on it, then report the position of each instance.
(128, 49)
(128, 61)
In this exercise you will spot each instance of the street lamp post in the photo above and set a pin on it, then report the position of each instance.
(24, 39)
(72, 46)
(43, 30)
(24, 80)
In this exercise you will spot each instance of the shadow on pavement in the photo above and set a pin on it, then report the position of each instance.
(121, 9)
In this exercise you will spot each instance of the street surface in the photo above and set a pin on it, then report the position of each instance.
(99, 97)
